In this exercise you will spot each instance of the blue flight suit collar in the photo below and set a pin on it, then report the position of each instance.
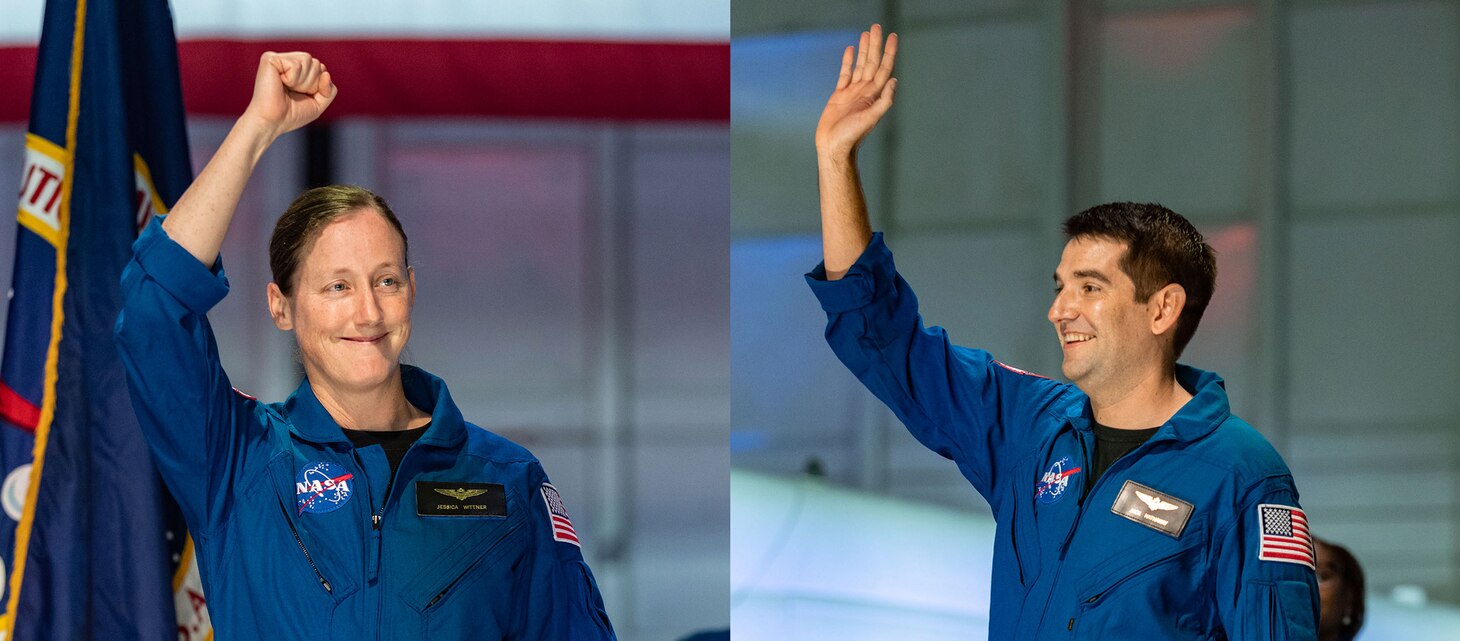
(310, 421)
(1206, 410)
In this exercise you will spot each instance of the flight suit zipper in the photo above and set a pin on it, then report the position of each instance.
(300, 542)
(1059, 567)
(377, 518)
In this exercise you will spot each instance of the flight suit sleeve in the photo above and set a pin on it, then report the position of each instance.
(558, 600)
(959, 402)
(1264, 560)
(186, 407)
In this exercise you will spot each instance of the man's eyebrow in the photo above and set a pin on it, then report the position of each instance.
(1089, 273)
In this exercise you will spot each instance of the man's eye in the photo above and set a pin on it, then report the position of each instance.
(1091, 289)
(336, 287)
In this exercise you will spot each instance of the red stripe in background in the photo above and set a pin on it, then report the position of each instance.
(481, 78)
(17, 410)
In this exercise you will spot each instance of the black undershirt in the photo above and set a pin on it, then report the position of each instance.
(394, 442)
(1111, 444)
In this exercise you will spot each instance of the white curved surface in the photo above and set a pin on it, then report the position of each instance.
(809, 561)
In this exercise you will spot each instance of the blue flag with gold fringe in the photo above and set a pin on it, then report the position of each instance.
(93, 547)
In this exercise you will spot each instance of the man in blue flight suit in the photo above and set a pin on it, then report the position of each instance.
(1131, 504)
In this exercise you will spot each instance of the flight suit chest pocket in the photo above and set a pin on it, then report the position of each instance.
(1023, 536)
(320, 541)
(285, 567)
(1159, 572)
(467, 584)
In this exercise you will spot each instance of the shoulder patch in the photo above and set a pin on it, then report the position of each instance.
(1019, 371)
(1284, 535)
(558, 516)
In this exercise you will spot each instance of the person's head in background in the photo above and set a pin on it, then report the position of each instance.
(1340, 592)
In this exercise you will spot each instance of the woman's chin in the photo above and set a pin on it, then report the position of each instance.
(362, 375)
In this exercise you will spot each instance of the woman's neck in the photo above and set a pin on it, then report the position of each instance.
(377, 408)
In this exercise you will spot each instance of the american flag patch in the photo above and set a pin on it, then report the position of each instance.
(1285, 535)
(562, 527)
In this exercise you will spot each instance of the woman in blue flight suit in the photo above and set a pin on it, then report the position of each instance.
(364, 506)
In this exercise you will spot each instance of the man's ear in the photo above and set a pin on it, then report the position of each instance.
(279, 308)
(1165, 308)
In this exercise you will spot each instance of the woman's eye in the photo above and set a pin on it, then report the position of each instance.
(336, 287)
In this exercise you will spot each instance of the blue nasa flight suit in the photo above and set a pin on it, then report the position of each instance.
(296, 536)
(1063, 568)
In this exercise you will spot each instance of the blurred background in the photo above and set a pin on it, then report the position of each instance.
(1316, 143)
(569, 249)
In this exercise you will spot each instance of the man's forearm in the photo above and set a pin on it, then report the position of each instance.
(845, 229)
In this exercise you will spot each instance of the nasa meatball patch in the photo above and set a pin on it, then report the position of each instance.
(322, 487)
(558, 515)
(1052, 485)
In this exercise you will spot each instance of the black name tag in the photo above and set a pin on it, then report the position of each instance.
(460, 499)
(1156, 510)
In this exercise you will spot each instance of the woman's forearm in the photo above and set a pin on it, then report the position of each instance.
(290, 91)
(200, 219)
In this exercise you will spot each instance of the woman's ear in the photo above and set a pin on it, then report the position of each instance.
(279, 308)
(411, 280)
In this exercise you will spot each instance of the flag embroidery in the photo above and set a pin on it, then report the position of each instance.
(1285, 535)
(562, 526)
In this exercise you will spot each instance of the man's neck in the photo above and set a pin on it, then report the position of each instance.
(379, 408)
(1147, 400)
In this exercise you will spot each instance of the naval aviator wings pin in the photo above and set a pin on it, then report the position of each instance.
(460, 499)
(1156, 510)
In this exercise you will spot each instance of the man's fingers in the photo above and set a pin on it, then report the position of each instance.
(884, 70)
(861, 57)
(874, 51)
(884, 101)
(845, 77)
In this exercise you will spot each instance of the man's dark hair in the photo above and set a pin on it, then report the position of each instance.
(1350, 598)
(1162, 248)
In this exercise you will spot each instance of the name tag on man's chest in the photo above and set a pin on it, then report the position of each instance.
(1156, 510)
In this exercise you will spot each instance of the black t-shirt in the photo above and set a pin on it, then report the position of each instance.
(394, 442)
(1111, 444)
